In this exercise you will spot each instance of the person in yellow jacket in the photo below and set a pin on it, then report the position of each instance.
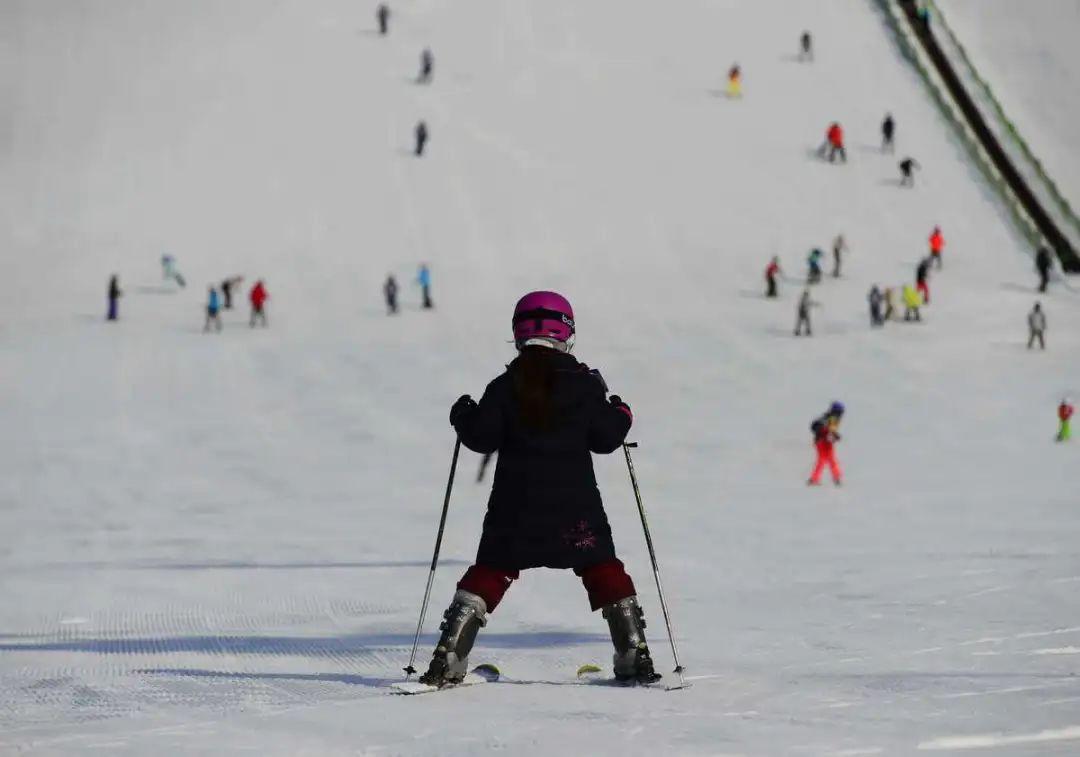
(734, 81)
(912, 302)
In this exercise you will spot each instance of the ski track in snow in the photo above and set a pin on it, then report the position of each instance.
(218, 543)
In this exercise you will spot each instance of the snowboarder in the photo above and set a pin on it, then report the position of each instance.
(875, 299)
(227, 290)
(803, 313)
(114, 298)
(423, 278)
(912, 302)
(813, 265)
(1065, 412)
(771, 272)
(169, 272)
(888, 131)
(734, 81)
(213, 311)
(546, 415)
(806, 47)
(839, 246)
(825, 438)
(922, 279)
(382, 15)
(1043, 264)
(258, 299)
(1036, 327)
(390, 290)
(937, 244)
(907, 168)
(890, 304)
(421, 137)
(835, 139)
(427, 66)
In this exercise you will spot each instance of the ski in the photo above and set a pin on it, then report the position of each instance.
(484, 673)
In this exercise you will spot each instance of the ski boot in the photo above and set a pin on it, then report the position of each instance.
(626, 621)
(466, 615)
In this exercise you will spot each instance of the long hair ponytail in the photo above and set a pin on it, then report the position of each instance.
(534, 383)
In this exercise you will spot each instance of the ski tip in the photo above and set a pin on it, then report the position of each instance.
(487, 671)
(588, 669)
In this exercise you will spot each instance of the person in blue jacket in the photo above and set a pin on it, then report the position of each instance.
(423, 278)
(213, 310)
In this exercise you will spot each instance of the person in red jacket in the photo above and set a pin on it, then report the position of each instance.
(937, 244)
(1065, 412)
(771, 272)
(825, 437)
(835, 136)
(258, 301)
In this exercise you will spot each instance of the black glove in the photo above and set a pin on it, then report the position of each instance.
(461, 408)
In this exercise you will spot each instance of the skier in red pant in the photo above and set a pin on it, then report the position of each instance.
(825, 438)
(546, 415)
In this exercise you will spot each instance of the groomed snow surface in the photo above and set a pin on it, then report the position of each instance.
(218, 543)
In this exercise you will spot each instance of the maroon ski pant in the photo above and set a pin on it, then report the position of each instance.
(606, 583)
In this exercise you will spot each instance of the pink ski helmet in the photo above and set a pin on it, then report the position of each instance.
(543, 315)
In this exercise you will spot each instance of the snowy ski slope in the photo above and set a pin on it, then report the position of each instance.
(215, 544)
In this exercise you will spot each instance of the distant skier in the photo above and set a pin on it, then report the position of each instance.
(826, 436)
(937, 244)
(813, 266)
(888, 132)
(875, 299)
(890, 304)
(839, 246)
(546, 415)
(169, 272)
(1043, 264)
(907, 169)
(1037, 327)
(772, 271)
(258, 299)
(806, 47)
(835, 138)
(382, 15)
(1065, 413)
(423, 278)
(213, 311)
(912, 302)
(421, 137)
(390, 292)
(922, 279)
(734, 81)
(227, 289)
(802, 313)
(114, 299)
(427, 66)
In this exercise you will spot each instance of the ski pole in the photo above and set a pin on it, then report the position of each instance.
(409, 669)
(627, 446)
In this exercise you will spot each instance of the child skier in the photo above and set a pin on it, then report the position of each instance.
(421, 138)
(390, 290)
(813, 266)
(546, 415)
(1043, 264)
(382, 15)
(890, 304)
(803, 313)
(1037, 327)
(937, 244)
(806, 47)
(875, 299)
(1065, 411)
(835, 138)
(213, 311)
(227, 287)
(912, 302)
(771, 272)
(169, 272)
(114, 298)
(907, 168)
(839, 247)
(922, 278)
(258, 299)
(734, 81)
(427, 66)
(423, 278)
(825, 437)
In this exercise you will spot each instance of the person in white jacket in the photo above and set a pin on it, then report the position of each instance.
(1036, 326)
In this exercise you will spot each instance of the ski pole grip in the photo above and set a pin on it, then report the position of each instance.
(631, 445)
